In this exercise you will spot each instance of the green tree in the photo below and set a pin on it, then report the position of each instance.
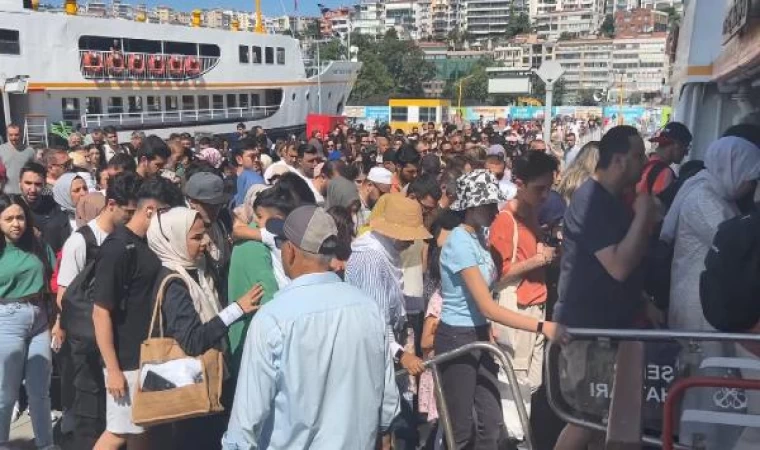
(374, 81)
(332, 50)
(558, 93)
(586, 97)
(312, 29)
(518, 24)
(674, 18)
(608, 26)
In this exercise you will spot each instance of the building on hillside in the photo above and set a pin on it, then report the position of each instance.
(401, 16)
(613, 6)
(164, 14)
(587, 64)
(524, 52)
(369, 18)
(640, 21)
(335, 22)
(122, 10)
(182, 18)
(216, 18)
(575, 22)
(640, 65)
(661, 4)
(423, 19)
(96, 9)
(446, 16)
(489, 19)
(541, 7)
(246, 20)
(449, 64)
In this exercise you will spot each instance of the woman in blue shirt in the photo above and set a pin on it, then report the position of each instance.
(467, 272)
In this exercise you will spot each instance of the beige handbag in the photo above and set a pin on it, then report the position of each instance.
(194, 400)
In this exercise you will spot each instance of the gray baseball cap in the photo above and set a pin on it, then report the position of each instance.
(206, 187)
(309, 228)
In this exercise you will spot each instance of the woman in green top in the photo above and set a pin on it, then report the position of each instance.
(25, 268)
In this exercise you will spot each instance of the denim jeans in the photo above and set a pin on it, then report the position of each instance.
(25, 355)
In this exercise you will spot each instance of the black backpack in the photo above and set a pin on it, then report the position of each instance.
(729, 287)
(659, 258)
(76, 317)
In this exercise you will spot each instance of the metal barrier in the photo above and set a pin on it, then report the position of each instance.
(552, 380)
(506, 363)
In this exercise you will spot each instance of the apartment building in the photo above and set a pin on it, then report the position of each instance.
(401, 16)
(489, 18)
(640, 64)
(524, 52)
(614, 6)
(369, 18)
(216, 18)
(336, 22)
(551, 26)
(446, 16)
(587, 64)
(164, 14)
(640, 21)
(541, 7)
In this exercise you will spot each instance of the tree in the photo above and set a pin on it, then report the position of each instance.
(608, 26)
(566, 36)
(312, 29)
(558, 93)
(586, 97)
(634, 99)
(674, 19)
(332, 50)
(518, 24)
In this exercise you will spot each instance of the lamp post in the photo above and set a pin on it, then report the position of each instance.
(550, 72)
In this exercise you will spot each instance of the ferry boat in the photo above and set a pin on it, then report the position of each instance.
(93, 72)
(716, 75)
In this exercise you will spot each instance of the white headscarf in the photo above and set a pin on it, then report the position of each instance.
(62, 192)
(167, 237)
(729, 162)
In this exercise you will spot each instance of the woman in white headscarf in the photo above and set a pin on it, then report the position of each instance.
(732, 168)
(67, 192)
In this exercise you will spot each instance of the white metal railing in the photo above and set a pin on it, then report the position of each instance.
(178, 116)
(94, 65)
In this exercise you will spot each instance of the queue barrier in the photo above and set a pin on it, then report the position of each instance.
(627, 414)
(506, 364)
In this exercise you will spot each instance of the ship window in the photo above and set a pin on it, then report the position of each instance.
(280, 55)
(70, 107)
(188, 102)
(218, 101)
(269, 55)
(9, 42)
(134, 104)
(203, 102)
(141, 46)
(115, 105)
(243, 101)
(171, 103)
(231, 100)
(256, 54)
(180, 48)
(399, 113)
(94, 105)
(209, 50)
(255, 100)
(154, 103)
(244, 54)
(273, 97)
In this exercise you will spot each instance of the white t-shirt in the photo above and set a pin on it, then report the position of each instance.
(267, 239)
(74, 254)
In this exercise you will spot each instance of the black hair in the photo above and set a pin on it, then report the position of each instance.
(332, 168)
(446, 220)
(345, 225)
(407, 154)
(241, 125)
(161, 190)
(123, 162)
(617, 141)
(389, 156)
(533, 165)
(278, 198)
(299, 187)
(28, 242)
(425, 185)
(747, 131)
(306, 148)
(123, 188)
(248, 143)
(109, 130)
(154, 147)
(205, 140)
(35, 167)
(497, 159)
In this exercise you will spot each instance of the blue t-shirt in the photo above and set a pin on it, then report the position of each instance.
(462, 250)
(245, 180)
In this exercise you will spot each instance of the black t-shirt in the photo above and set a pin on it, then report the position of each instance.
(588, 295)
(52, 222)
(124, 281)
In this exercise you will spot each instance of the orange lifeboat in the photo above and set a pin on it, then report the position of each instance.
(136, 64)
(192, 66)
(156, 65)
(115, 63)
(175, 66)
(92, 63)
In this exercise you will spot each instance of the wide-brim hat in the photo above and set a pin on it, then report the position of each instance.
(477, 188)
(401, 219)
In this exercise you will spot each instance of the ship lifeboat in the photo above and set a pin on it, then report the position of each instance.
(92, 63)
(115, 63)
(175, 66)
(136, 64)
(192, 66)
(156, 65)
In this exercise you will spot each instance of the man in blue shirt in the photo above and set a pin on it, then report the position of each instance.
(249, 165)
(316, 371)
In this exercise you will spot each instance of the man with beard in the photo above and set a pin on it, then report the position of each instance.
(14, 155)
(377, 184)
(49, 220)
(407, 168)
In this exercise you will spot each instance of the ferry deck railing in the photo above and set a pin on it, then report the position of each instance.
(625, 414)
(178, 116)
(102, 72)
(506, 364)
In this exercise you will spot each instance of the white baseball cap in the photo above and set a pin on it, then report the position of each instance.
(380, 175)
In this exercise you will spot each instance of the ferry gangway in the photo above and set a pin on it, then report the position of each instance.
(506, 365)
(627, 384)
(178, 116)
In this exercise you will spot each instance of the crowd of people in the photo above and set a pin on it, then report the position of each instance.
(319, 265)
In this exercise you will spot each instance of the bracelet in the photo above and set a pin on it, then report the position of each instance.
(540, 327)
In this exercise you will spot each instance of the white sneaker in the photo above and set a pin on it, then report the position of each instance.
(16, 413)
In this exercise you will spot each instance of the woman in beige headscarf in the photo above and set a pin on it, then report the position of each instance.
(89, 207)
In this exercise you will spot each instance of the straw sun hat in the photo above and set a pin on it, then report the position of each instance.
(400, 218)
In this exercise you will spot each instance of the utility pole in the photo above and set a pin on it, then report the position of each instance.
(550, 72)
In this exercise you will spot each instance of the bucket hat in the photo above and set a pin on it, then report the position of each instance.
(401, 219)
(477, 188)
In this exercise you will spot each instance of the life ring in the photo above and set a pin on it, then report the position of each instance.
(175, 65)
(92, 62)
(115, 63)
(156, 65)
(136, 64)
(192, 67)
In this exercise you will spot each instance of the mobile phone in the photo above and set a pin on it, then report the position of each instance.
(154, 382)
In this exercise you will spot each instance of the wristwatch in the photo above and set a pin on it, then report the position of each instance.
(398, 355)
